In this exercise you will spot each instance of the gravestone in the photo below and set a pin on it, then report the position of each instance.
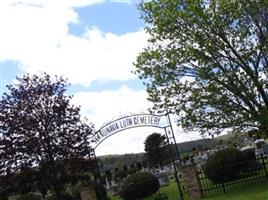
(162, 178)
(115, 189)
(108, 184)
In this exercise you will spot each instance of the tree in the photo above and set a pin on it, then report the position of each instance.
(225, 165)
(155, 149)
(41, 131)
(207, 62)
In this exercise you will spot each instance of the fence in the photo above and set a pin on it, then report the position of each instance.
(256, 173)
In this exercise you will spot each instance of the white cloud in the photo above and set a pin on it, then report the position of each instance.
(105, 106)
(101, 107)
(35, 33)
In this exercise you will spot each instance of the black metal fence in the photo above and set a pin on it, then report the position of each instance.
(255, 173)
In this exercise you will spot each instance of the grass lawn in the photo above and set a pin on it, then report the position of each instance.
(257, 192)
(171, 191)
(253, 192)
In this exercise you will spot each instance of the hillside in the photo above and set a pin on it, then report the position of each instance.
(108, 162)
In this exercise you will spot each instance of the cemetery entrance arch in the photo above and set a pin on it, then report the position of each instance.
(135, 121)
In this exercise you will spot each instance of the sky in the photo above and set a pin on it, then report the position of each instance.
(92, 43)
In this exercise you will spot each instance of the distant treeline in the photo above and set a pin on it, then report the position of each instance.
(110, 162)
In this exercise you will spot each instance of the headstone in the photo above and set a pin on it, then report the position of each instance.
(115, 189)
(162, 178)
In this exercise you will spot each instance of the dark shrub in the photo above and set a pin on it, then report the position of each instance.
(120, 174)
(29, 196)
(100, 190)
(250, 154)
(138, 186)
(64, 196)
(225, 165)
(67, 196)
(253, 163)
(132, 170)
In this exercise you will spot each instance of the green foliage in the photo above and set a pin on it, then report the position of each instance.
(139, 185)
(155, 149)
(132, 170)
(225, 165)
(29, 196)
(120, 174)
(109, 162)
(207, 62)
(250, 154)
(64, 196)
(161, 197)
(171, 191)
(67, 196)
(100, 190)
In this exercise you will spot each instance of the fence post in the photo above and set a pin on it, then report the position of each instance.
(88, 194)
(190, 177)
(264, 165)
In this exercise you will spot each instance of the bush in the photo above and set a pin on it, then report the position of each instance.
(250, 154)
(253, 163)
(29, 196)
(64, 196)
(225, 165)
(100, 191)
(132, 170)
(139, 185)
(120, 174)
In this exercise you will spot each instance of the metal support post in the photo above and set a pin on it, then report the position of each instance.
(174, 166)
(173, 136)
(96, 173)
